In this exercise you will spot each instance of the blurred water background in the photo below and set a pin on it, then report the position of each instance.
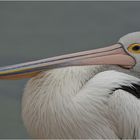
(35, 30)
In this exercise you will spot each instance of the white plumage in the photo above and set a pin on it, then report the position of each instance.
(73, 103)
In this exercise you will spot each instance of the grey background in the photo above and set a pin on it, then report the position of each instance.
(35, 30)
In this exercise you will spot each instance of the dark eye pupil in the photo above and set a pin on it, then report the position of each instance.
(136, 48)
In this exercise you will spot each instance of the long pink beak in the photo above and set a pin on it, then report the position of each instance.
(112, 55)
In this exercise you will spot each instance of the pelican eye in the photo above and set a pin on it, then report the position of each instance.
(134, 48)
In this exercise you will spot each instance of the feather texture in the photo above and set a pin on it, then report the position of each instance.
(79, 102)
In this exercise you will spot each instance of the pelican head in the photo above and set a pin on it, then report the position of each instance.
(131, 44)
(125, 53)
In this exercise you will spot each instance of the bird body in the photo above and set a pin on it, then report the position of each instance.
(80, 102)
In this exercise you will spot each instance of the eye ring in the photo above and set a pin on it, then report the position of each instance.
(134, 48)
